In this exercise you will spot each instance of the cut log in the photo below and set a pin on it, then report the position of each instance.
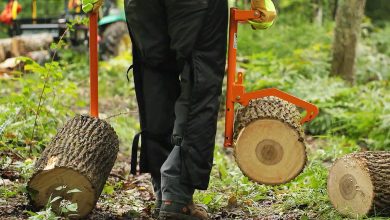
(80, 156)
(40, 56)
(21, 45)
(359, 184)
(269, 142)
(9, 65)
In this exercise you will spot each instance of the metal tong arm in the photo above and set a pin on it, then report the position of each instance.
(235, 92)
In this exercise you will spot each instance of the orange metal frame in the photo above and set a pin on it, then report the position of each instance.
(93, 64)
(235, 87)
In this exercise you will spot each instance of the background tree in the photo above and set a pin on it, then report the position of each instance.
(318, 12)
(347, 31)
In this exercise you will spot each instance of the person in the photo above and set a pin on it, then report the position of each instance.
(179, 52)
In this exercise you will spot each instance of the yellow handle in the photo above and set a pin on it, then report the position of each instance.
(15, 9)
(34, 9)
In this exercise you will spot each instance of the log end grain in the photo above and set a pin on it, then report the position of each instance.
(269, 145)
(350, 188)
(58, 182)
(269, 152)
(359, 184)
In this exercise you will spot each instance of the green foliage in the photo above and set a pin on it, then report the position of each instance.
(45, 9)
(63, 206)
(40, 91)
(378, 10)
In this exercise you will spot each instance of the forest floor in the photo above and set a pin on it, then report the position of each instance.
(131, 197)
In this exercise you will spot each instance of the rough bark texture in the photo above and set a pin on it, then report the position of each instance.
(347, 31)
(86, 145)
(378, 167)
(268, 108)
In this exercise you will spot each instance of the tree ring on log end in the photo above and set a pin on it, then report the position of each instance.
(348, 186)
(269, 152)
(265, 164)
(44, 185)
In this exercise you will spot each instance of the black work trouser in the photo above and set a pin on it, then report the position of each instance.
(179, 49)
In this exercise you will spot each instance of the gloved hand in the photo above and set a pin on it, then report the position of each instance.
(89, 6)
(267, 12)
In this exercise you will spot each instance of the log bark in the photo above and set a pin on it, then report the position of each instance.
(347, 32)
(40, 56)
(21, 45)
(80, 156)
(2, 53)
(359, 184)
(269, 142)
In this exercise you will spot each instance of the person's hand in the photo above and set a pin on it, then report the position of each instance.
(89, 6)
(267, 11)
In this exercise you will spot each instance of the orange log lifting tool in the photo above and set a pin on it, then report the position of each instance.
(93, 56)
(235, 87)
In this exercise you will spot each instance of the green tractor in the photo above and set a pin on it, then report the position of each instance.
(52, 16)
(113, 30)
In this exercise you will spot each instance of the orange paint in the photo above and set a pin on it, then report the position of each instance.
(235, 92)
(93, 64)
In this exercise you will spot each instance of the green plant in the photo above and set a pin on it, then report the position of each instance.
(63, 206)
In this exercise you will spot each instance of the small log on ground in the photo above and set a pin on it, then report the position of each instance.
(359, 184)
(20, 45)
(9, 65)
(80, 156)
(40, 56)
(269, 142)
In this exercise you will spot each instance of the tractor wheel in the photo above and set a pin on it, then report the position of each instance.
(269, 145)
(115, 40)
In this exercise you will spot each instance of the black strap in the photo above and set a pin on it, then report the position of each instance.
(134, 149)
(128, 70)
(134, 154)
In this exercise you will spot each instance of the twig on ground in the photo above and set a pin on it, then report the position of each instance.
(119, 114)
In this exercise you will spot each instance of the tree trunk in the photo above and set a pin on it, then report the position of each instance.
(21, 45)
(318, 12)
(347, 31)
(334, 9)
(80, 156)
(269, 145)
(359, 184)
